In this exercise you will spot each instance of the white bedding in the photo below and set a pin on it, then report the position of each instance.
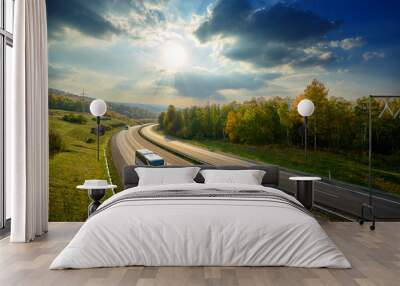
(246, 177)
(200, 231)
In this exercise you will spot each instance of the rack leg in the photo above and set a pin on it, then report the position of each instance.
(367, 214)
(372, 226)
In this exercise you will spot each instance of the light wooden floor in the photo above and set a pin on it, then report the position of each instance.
(375, 257)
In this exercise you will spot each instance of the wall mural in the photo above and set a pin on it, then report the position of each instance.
(226, 75)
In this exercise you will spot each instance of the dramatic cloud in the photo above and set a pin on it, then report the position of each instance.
(124, 85)
(76, 15)
(276, 54)
(280, 23)
(59, 72)
(226, 20)
(206, 85)
(116, 49)
(266, 37)
(367, 56)
(348, 43)
(102, 18)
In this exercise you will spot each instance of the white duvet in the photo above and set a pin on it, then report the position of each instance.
(199, 231)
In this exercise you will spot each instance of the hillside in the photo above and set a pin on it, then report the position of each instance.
(67, 101)
(77, 162)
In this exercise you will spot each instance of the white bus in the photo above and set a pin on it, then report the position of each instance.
(144, 157)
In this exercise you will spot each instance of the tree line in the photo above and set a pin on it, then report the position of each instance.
(77, 104)
(337, 124)
(63, 102)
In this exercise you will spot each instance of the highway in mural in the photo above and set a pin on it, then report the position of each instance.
(220, 81)
(344, 199)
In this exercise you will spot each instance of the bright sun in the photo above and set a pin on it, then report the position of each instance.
(174, 56)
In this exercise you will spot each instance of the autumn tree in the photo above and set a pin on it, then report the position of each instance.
(162, 120)
(340, 124)
(283, 109)
(232, 126)
(318, 94)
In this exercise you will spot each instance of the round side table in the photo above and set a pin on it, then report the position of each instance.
(305, 190)
(95, 193)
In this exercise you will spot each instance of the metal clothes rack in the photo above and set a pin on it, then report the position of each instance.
(367, 209)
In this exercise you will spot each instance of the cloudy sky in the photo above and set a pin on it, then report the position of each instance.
(192, 52)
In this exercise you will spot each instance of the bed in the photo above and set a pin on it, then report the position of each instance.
(201, 224)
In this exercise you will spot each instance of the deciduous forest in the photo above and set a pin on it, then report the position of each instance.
(337, 124)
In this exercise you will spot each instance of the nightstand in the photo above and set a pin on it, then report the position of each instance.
(305, 190)
(96, 190)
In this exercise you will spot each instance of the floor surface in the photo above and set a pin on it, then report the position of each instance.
(375, 256)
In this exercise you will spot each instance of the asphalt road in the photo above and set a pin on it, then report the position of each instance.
(125, 143)
(342, 198)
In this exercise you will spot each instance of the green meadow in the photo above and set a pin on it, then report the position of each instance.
(77, 161)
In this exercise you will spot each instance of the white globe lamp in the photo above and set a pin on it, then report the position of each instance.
(305, 108)
(98, 107)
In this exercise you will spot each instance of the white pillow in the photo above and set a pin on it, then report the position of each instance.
(166, 176)
(247, 177)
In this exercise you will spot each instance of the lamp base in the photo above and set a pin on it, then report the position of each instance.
(96, 195)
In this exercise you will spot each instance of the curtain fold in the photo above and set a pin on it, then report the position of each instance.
(27, 119)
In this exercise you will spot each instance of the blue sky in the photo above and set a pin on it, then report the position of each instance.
(194, 52)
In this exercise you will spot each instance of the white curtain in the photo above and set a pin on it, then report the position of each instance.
(27, 124)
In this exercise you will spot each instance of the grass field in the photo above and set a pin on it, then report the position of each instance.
(75, 164)
(349, 168)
